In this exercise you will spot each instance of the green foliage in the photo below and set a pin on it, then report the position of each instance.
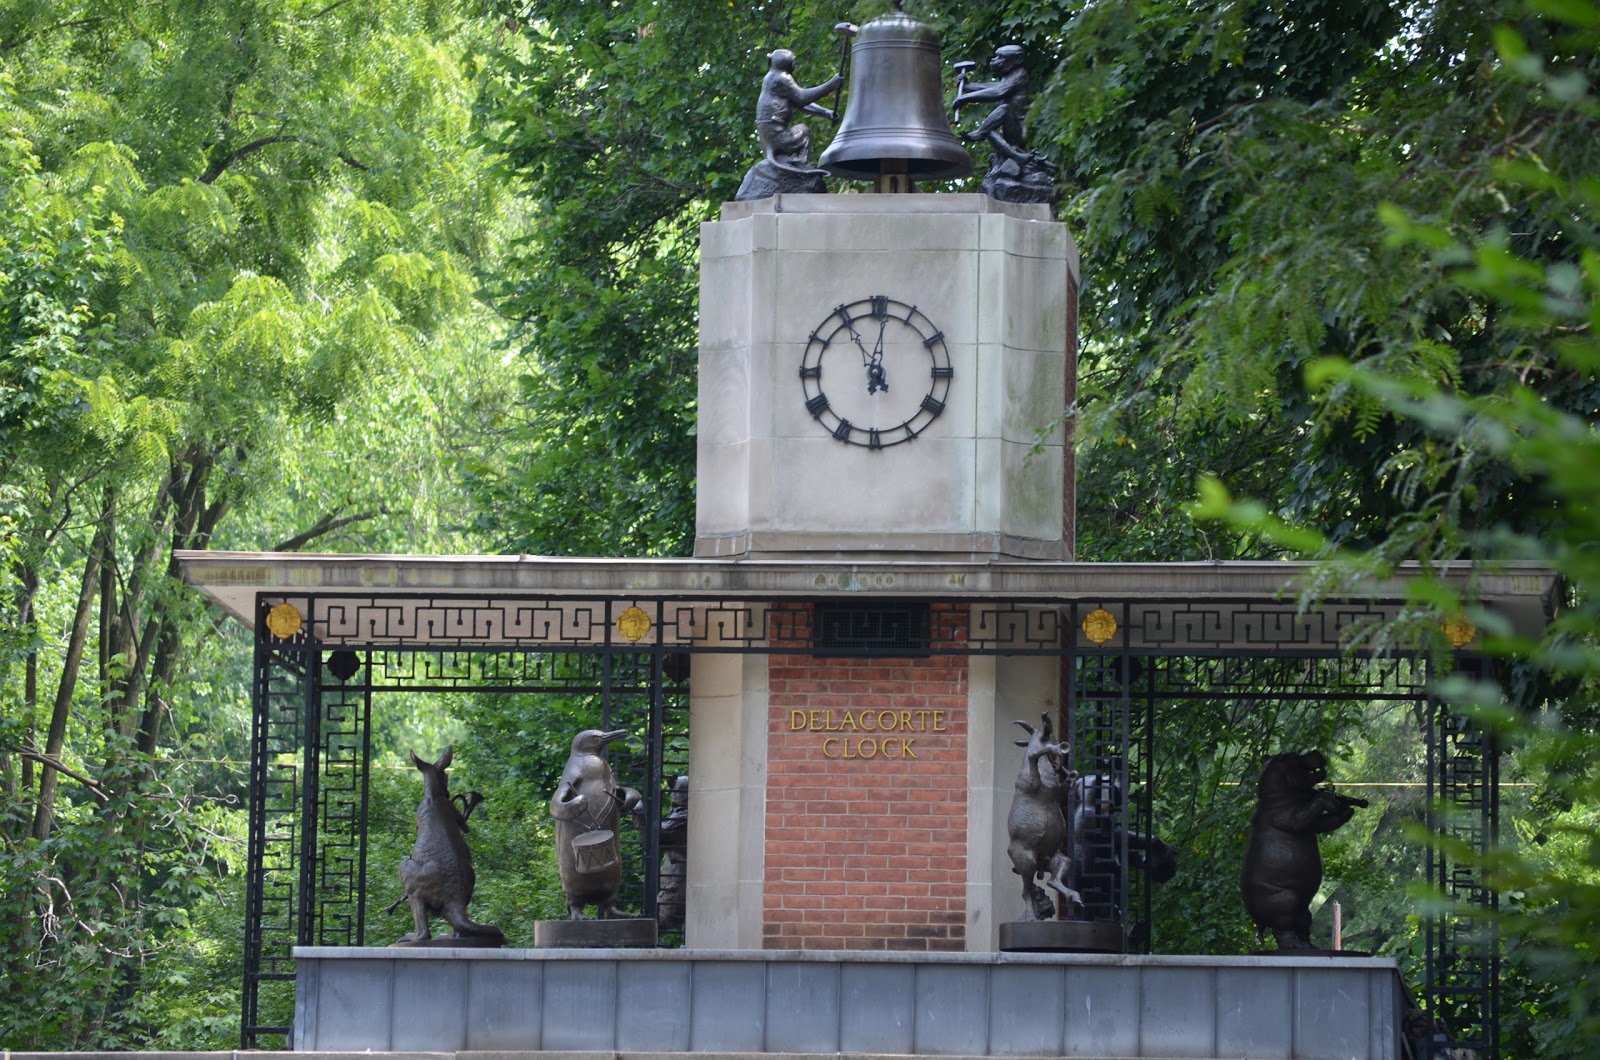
(118, 881)
(625, 126)
(238, 249)
(1505, 464)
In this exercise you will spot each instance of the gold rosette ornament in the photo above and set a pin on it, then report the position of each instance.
(284, 621)
(633, 623)
(1099, 625)
(1458, 631)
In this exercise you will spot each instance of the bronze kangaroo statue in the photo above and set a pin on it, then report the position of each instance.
(437, 877)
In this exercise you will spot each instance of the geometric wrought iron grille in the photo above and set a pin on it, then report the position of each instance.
(882, 629)
(1108, 811)
(516, 623)
(273, 888)
(314, 689)
(1461, 994)
(307, 871)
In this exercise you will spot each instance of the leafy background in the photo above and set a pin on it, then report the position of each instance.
(278, 274)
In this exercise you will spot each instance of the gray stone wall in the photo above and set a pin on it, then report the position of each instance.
(743, 1003)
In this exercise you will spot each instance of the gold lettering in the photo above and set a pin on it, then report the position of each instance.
(905, 749)
(869, 748)
(797, 720)
(826, 753)
(905, 720)
(938, 721)
(849, 723)
(866, 716)
(886, 726)
(816, 720)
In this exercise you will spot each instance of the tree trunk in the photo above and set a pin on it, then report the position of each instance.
(109, 626)
(193, 526)
(16, 788)
(44, 811)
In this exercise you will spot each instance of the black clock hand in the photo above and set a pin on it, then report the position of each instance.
(875, 374)
(855, 337)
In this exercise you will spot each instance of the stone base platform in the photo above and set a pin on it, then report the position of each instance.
(595, 934)
(744, 1003)
(1060, 936)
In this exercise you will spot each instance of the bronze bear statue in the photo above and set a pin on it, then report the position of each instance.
(1283, 865)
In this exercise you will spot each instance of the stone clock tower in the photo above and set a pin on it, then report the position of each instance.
(885, 374)
(882, 385)
(882, 380)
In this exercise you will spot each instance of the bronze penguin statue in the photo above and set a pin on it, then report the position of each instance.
(587, 807)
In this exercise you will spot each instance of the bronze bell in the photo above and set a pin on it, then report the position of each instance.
(894, 121)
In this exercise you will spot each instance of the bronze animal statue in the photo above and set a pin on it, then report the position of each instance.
(1037, 827)
(672, 843)
(1016, 174)
(1283, 865)
(1096, 829)
(588, 806)
(787, 148)
(437, 878)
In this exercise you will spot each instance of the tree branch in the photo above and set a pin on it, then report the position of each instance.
(221, 165)
(61, 767)
(326, 525)
(79, 23)
(330, 8)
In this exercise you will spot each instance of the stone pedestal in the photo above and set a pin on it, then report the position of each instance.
(1060, 936)
(654, 1002)
(595, 934)
(988, 477)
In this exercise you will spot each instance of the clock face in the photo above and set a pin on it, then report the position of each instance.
(876, 372)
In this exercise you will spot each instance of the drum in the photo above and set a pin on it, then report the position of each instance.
(595, 851)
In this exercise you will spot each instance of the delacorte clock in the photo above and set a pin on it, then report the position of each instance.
(876, 372)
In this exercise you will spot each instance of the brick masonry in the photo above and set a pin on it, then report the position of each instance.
(866, 810)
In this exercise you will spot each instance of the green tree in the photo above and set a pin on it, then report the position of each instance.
(626, 125)
(238, 246)
(1504, 466)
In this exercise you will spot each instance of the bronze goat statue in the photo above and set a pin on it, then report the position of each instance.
(1037, 826)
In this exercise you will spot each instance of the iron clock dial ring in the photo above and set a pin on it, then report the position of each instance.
(876, 372)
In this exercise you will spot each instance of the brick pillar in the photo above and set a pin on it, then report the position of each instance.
(866, 808)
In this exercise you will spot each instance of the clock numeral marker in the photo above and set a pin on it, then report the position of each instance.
(843, 313)
(842, 432)
(816, 336)
(817, 405)
(874, 439)
(811, 371)
(880, 306)
(933, 340)
(933, 405)
(943, 371)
